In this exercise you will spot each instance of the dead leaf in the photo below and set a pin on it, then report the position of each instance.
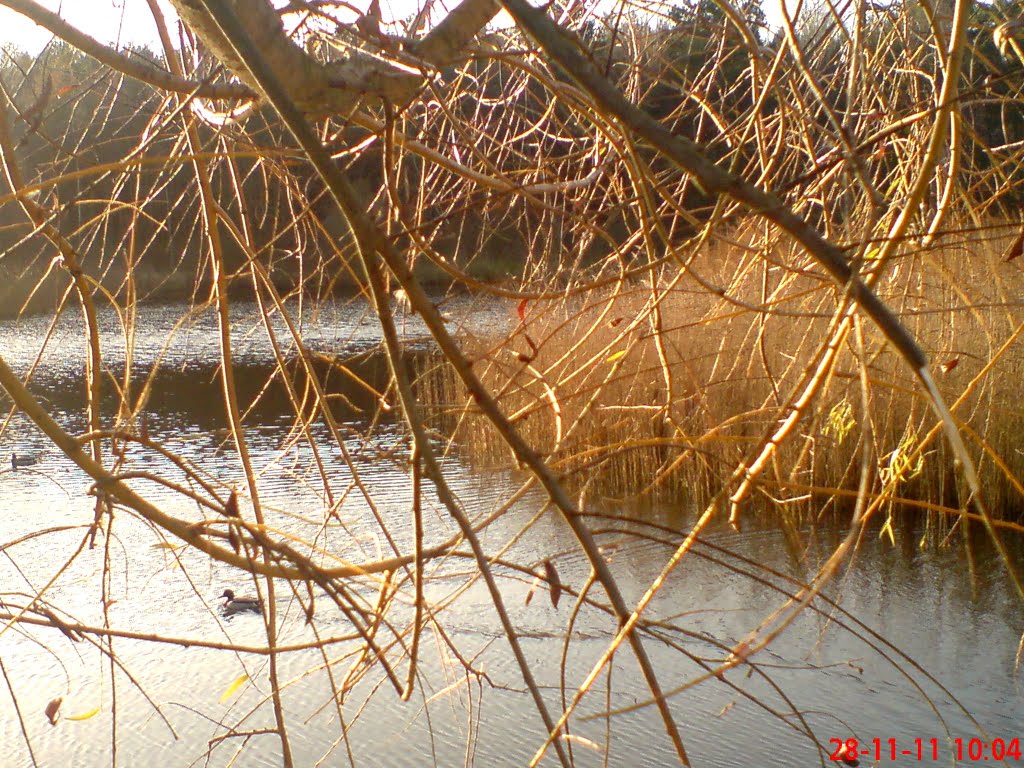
(551, 575)
(53, 710)
(533, 589)
(949, 365)
(521, 311)
(231, 508)
(615, 322)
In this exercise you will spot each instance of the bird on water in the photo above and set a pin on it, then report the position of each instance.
(233, 604)
(22, 461)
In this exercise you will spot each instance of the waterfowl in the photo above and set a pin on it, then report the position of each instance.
(241, 603)
(22, 461)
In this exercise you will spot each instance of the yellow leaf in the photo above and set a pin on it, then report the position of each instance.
(615, 356)
(238, 683)
(872, 254)
(166, 545)
(84, 715)
(887, 530)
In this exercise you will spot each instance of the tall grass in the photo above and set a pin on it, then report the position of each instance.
(662, 388)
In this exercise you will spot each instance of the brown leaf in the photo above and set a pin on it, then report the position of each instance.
(533, 589)
(551, 575)
(949, 365)
(614, 323)
(231, 508)
(521, 311)
(52, 710)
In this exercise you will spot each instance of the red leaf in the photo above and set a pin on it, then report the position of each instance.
(521, 310)
(949, 365)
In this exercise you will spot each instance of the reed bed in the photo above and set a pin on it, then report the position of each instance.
(662, 388)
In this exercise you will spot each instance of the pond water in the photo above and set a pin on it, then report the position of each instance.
(914, 646)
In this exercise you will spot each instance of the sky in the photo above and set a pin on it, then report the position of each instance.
(120, 22)
(110, 21)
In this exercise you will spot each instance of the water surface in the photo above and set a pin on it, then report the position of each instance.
(917, 649)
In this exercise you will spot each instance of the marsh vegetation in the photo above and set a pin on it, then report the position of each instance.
(480, 331)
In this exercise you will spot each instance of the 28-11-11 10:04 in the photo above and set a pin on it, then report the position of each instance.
(973, 749)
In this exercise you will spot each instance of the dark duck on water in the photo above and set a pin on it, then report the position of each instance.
(23, 460)
(240, 603)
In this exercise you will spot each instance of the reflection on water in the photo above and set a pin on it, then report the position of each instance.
(828, 674)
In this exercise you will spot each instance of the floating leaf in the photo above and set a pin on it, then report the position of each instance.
(233, 688)
(85, 715)
(616, 356)
(166, 545)
(726, 708)
(551, 575)
(53, 710)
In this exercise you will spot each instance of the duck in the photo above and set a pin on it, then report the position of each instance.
(22, 461)
(241, 603)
